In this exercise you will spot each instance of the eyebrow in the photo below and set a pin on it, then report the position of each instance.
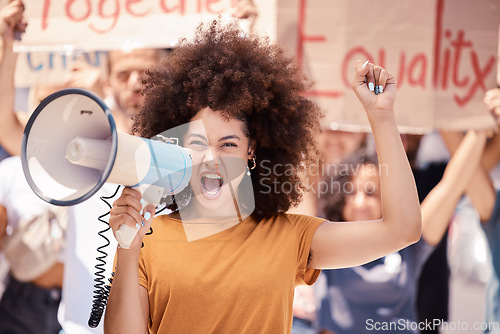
(221, 139)
(230, 137)
(197, 135)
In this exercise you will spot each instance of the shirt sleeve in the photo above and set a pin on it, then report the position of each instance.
(305, 227)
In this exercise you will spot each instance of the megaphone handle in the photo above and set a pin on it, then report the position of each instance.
(151, 194)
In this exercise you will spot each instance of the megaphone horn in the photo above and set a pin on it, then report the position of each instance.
(71, 147)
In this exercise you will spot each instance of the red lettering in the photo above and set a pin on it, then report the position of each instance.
(437, 40)
(181, 7)
(480, 76)
(45, 14)
(446, 67)
(85, 16)
(113, 15)
(128, 8)
(419, 61)
(301, 35)
(458, 44)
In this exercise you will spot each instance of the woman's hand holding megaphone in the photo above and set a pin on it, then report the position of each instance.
(125, 216)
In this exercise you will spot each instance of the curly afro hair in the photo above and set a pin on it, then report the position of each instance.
(332, 202)
(247, 78)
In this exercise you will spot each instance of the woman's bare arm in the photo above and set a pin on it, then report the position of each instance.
(127, 310)
(337, 245)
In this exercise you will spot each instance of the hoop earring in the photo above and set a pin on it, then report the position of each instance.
(253, 167)
(254, 163)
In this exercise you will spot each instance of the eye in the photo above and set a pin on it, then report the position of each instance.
(229, 144)
(122, 76)
(371, 190)
(197, 145)
(196, 142)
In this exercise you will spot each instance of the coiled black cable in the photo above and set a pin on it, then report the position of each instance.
(101, 292)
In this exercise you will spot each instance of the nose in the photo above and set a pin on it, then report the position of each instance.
(134, 80)
(211, 157)
(359, 199)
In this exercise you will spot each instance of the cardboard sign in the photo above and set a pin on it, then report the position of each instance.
(62, 31)
(89, 25)
(443, 53)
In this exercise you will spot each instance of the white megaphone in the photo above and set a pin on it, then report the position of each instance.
(71, 148)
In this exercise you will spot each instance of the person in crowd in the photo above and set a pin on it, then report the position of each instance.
(123, 82)
(227, 265)
(381, 295)
(32, 231)
(33, 244)
(486, 200)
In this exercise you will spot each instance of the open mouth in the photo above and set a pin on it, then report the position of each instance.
(211, 184)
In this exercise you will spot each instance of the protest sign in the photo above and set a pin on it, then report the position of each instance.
(443, 53)
(66, 25)
(61, 31)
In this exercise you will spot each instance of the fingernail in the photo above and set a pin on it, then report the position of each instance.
(137, 225)
(380, 89)
(147, 215)
(365, 79)
(364, 65)
(376, 90)
(371, 86)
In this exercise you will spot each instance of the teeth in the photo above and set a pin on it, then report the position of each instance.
(212, 177)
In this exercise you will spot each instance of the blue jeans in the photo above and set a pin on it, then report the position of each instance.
(28, 309)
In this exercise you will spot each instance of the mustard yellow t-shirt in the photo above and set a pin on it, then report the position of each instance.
(239, 280)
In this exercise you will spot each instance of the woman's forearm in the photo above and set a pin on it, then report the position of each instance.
(11, 130)
(124, 311)
(400, 204)
(440, 204)
(480, 188)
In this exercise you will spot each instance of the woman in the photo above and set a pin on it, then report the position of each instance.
(377, 293)
(209, 267)
(381, 295)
